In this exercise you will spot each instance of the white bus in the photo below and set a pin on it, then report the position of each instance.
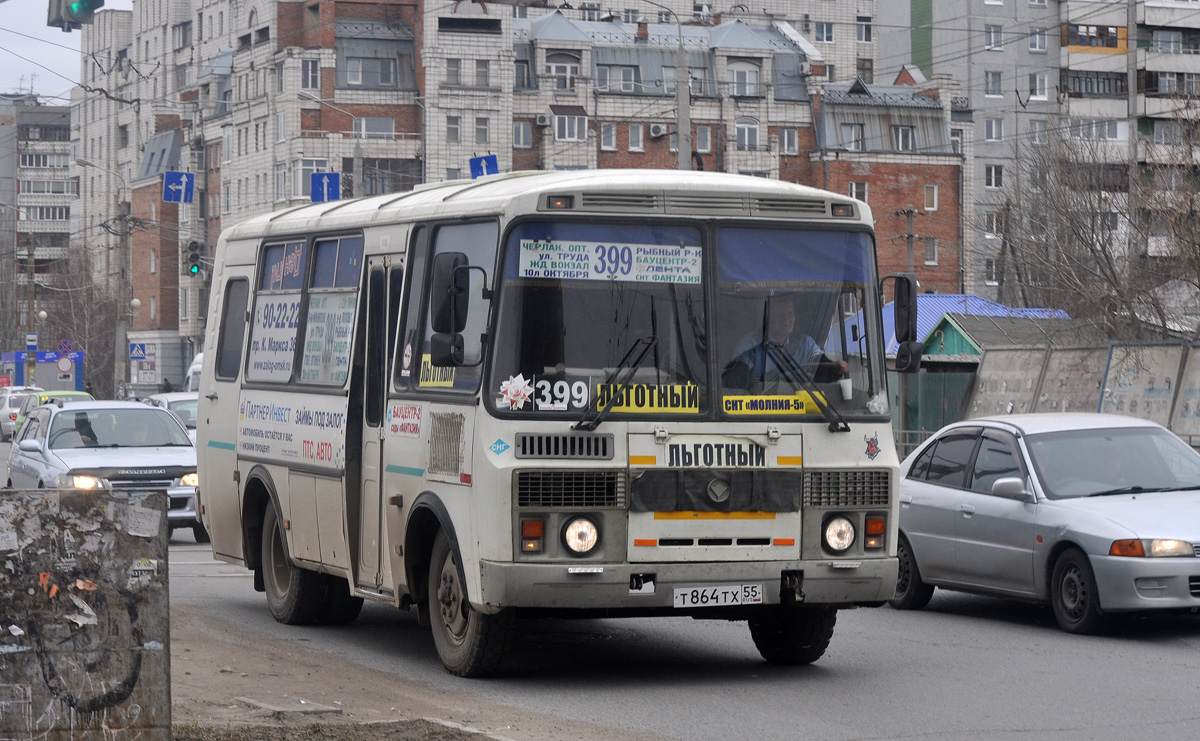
(557, 393)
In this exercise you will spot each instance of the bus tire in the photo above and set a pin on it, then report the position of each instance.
(793, 636)
(295, 595)
(469, 643)
(341, 607)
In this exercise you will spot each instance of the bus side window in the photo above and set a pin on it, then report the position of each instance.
(407, 359)
(233, 329)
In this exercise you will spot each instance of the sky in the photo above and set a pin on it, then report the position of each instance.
(37, 55)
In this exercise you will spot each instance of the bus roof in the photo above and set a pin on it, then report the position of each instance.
(618, 191)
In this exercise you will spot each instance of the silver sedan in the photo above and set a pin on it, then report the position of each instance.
(1093, 514)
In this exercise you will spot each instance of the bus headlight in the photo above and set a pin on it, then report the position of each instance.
(581, 536)
(839, 534)
(190, 479)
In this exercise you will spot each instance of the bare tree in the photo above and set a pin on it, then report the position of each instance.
(84, 312)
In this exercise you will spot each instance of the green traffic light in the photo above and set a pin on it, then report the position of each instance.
(193, 268)
(83, 10)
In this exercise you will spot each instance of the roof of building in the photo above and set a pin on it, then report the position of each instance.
(858, 93)
(986, 331)
(931, 307)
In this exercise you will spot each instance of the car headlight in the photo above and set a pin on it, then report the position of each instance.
(839, 534)
(581, 536)
(190, 479)
(1152, 548)
(79, 481)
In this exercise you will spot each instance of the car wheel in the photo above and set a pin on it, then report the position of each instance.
(469, 643)
(911, 592)
(295, 595)
(793, 636)
(200, 533)
(341, 607)
(1074, 596)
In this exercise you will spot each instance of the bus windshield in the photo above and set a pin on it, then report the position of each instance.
(596, 313)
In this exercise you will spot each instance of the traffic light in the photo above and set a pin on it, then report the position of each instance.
(56, 15)
(193, 264)
(81, 11)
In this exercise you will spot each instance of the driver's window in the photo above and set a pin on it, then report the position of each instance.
(994, 461)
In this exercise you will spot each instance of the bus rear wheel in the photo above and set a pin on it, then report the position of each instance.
(793, 636)
(295, 595)
(469, 643)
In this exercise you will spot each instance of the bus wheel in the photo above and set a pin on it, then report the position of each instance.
(469, 643)
(341, 607)
(793, 636)
(295, 595)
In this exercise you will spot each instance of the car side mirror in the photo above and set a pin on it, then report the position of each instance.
(29, 445)
(1009, 487)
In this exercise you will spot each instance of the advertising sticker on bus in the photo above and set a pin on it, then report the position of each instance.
(638, 263)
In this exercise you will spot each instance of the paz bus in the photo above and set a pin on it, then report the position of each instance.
(557, 394)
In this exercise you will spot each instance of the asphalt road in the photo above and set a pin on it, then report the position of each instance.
(966, 667)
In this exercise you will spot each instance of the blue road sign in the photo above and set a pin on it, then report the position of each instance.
(485, 165)
(177, 186)
(137, 350)
(31, 341)
(326, 186)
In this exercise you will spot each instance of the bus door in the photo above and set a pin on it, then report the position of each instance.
(372, 541)
(217, 423)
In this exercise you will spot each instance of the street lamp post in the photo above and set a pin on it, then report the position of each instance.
(121, 350)
(683, 98)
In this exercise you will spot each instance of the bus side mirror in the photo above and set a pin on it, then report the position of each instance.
(449, 297)
(908, 354)
(446, 350)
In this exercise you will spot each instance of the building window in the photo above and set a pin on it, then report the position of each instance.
(994, 129)
(903, 138)
(993, 176)
(703, 142)
(1037, 40)
(522, 79)
(181, 34)
(989, 272)
(829, 74)
(453, 129)
(453, 71)
(747, 135)
(563, 67)
(482, 130)
(570, 128)
(483, 73)
(371, 72)
(956, 140)
(375, 127)
(1167, 42)
(931, 198)
(858, 189)
(993, 225)
(183, 304)
(852, 136)
(1038, 86)
(931, 249)
(153, 261)
(520, 11)
(602, 74)
(522, 134)
(453, 173)
(864, 30)
(280, 181)
(1093, 128)
(743, 78)
(993, 37)
(993, 83)
(824, 32)
(310, 74)
(631, 15)
(865, 69)
(280, 127)
(1037, 131)
(303, 170)
(153, 307)
(635, 137)
(589, 11)
(1108, 37)
(790, 141)
(608, 136)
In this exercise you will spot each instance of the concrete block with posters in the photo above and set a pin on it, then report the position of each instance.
(84, 622)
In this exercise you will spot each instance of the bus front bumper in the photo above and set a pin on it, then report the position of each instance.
(584, 586)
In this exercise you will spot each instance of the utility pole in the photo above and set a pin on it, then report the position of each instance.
(30, 331)
(909, 238)
(683, 98)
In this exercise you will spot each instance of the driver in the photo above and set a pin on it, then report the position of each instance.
(753, 364)
(83, 426)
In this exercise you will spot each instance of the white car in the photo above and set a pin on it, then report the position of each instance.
(183, 404)
(10, 403)
(110, 445)
(1093, 514)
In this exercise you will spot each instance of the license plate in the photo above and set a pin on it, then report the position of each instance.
(719, 595)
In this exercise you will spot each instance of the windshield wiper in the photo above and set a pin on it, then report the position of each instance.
(628, 367)
(1129, 490)
(793, 372)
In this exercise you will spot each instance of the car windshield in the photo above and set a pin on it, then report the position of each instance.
(1081, 463)
(114, 428)
(185, 409)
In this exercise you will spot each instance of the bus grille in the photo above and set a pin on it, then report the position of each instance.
(574, 489)
(621, 202)
(846, 488)
(795, 206)
(592, 447)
